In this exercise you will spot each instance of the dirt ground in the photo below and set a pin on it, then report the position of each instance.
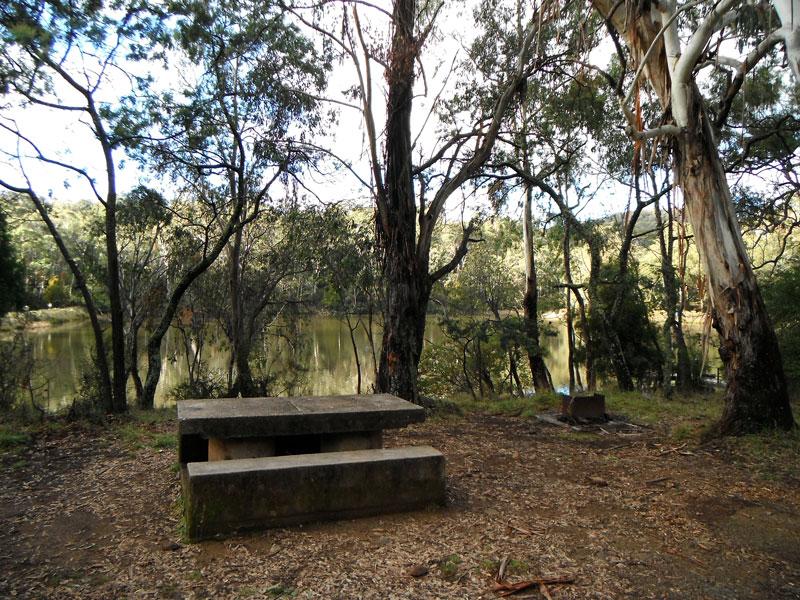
(86, 514)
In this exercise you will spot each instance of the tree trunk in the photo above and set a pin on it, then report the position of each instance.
(133, 360)
(620, 365)
(594, 273)
(120, 400)
(673, 331)
(756, 394)
(239, 337)
(570, 340)
(243, 382)
(352, 330)
(403, 333)
(406, 280)
(153, 373)
(542, 381)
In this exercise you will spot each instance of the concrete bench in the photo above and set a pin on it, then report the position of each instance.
(264, 462)
(228, 496)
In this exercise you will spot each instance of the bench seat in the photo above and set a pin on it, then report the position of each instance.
(223, 497)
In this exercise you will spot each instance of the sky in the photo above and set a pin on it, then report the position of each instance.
(67, 136)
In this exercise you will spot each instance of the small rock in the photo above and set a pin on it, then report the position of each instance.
(418, 571)
(171, 547)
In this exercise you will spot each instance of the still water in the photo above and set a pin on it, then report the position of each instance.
(325, 353)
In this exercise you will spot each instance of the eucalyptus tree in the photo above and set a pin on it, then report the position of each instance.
(676, 352)
(410, 193)
(491, 52)
(143, 216)
(69, 59)
(226, 137)
(283, 244)
(555, 139)
(670, 45)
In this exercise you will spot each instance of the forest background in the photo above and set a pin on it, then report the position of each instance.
(280, 171)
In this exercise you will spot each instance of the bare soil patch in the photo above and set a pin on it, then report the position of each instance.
(84, 513)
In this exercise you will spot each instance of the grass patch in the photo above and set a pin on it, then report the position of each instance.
(517, 567)
(770, 454)
(164, 441)
(156, 416)
(133, 436)
(697, 409)
(448, 566)
(280, 591)
(180, 510)
(10, 439)
(508, 405)
(652, 409)
(680, 417)
(140, 429)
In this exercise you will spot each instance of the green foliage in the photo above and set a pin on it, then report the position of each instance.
(56, 292)
(350, 264)
(781, 293)
(631, 331)
(10, 438)
(16, 369)
(86, 405)
(476, 358)
(80, 224)
(203, 385)
(11, 271)
(449, 566)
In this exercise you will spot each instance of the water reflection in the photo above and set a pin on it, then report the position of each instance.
(325, 353)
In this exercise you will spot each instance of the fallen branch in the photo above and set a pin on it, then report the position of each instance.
(501, 572)
(507, 589)
(676, 449)
(659, 480)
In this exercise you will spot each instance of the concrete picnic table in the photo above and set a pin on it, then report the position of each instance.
(250, 463)
(231, 428)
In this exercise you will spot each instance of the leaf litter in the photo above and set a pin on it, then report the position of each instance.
(565, 516)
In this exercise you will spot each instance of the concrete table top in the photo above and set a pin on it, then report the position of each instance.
(264, 417)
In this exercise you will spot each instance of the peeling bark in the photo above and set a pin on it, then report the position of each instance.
(756, 396)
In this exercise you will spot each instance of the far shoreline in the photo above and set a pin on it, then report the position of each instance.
(43, 318)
